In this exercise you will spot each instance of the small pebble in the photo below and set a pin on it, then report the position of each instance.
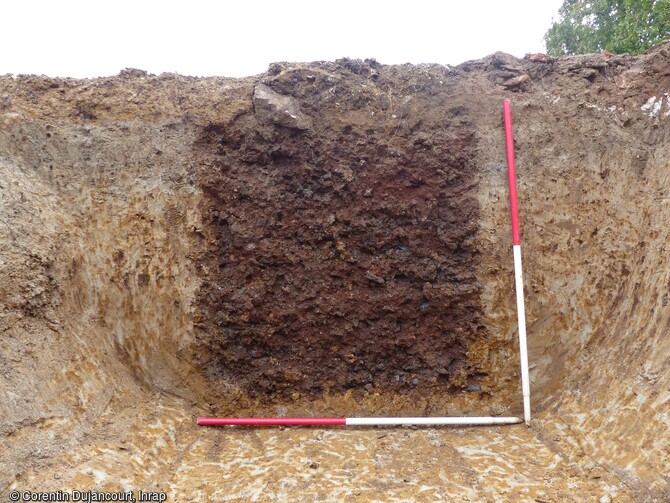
(373, 277)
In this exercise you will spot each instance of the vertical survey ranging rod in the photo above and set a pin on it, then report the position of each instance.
(516, 246)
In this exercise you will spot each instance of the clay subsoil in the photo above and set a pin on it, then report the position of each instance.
(333, 238)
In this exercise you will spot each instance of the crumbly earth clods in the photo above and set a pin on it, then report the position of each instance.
(346, 254)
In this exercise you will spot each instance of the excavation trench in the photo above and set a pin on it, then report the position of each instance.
(334, 239)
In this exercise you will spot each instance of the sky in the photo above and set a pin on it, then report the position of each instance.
(76, 38)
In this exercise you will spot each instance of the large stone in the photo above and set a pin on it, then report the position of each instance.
(505, 61)
(279, 109)
(516, 81)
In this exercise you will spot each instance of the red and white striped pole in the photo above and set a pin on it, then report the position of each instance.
(354, 421)
(516, 246)
(429, 421)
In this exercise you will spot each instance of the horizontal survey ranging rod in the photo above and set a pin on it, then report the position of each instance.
(354, 421)
(516, 248)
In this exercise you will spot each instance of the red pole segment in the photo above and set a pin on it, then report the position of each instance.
(272, 421)
(511, 172)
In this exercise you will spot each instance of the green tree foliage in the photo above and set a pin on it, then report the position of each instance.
(618, 26)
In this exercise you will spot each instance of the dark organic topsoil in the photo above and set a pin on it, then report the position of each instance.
(343, 254)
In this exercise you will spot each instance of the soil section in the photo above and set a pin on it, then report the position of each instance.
(119, 220)
(345, 254)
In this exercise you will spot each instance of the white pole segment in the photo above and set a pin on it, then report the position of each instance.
(523, 345)
(430, 421)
